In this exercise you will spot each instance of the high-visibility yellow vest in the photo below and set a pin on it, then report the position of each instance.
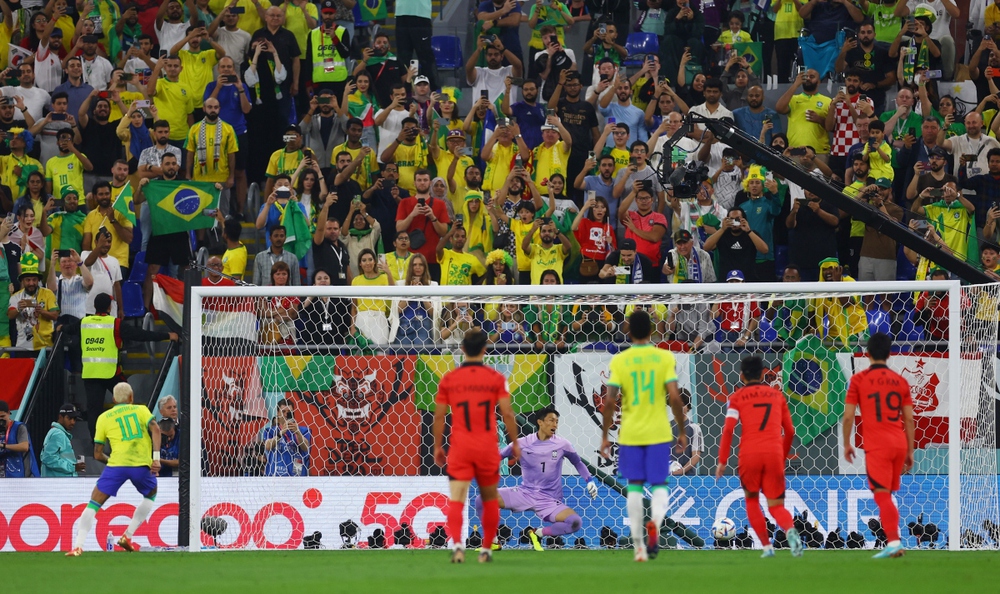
(328, 64)
(100, 353)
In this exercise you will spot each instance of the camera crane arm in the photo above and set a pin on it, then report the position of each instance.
(751, 149)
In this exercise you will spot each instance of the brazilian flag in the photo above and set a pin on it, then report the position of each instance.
(372, 10)
(752, 52)
(527, 378)
(123, 203)
(816, 387)
(176, 206)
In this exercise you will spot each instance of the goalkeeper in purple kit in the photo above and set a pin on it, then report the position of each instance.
(541, 489)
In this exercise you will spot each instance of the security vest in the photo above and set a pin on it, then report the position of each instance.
(100, 352)
(328, 64)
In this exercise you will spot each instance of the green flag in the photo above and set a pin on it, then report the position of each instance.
(176, 206)
(751, 52)
(122, 203)
(298, 239)
(816, 387)
(373, 10)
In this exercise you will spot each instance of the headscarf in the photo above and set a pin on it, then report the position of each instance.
(445, 182)
(139, 139)
(478, 227)
(844, 322)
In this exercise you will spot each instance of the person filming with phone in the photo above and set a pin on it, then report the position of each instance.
(626, 266)
(737, 243)
(286, 443)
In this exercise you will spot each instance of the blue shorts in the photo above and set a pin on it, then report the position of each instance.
(114, 477)
(648, 463)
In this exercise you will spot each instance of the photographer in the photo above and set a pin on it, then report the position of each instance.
(951, 206)
(929, 174)
(407, 152)
(878, 251)
(627, 266)
(687, 263)
(815, 231)
(17, 456)
(286, 443)
(545, 256)
(738, 244)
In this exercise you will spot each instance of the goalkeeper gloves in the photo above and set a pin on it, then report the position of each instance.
(592, 489)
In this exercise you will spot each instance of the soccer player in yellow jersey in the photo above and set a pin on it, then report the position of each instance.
(134, 437)
(642, 376)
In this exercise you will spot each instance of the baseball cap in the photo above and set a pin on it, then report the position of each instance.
(4, 407)
(938, 151)
(627, 244)
(735, 275)
(550, 127)
(456, 134)
(682, 236)
(327, 6)
(883, 182)
(70, 410)
(421, 79)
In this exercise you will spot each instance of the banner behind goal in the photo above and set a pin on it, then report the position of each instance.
(313, 405)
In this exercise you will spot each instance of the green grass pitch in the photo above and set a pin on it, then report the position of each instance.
(513, 571)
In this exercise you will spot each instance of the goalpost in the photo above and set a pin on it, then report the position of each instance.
(357, 448)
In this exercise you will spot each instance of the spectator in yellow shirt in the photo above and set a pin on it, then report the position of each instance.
(197, 64)
(877, 152)
(735, 33)
(552, 156)
(457, 265)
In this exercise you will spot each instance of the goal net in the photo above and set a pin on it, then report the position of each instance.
(312, 406)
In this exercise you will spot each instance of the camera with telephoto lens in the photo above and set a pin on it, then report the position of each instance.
(693, 176)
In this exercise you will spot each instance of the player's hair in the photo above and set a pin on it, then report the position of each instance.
(640, 325)
(752, 368)
(122, 392)
(879, 345)
(474, 342)
(540, 415)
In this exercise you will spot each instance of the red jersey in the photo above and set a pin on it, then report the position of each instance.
(472, 391)
(881, 393)
(763, 412)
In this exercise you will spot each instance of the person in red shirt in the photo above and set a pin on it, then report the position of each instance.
(886, 433)
(472, 393)
(425, 219)
(765, 441)
(644, 225)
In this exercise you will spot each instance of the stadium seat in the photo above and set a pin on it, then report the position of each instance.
(879, 321)
(767, 331)
(132, 302)
(138, 272)
(638, 45)
(448, 56)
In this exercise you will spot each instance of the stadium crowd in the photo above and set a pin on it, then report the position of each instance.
(557, 172)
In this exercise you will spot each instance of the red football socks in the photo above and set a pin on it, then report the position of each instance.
(455, 509)
(756, 516)
(491, 521)
(888, 514)
(782, 517)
